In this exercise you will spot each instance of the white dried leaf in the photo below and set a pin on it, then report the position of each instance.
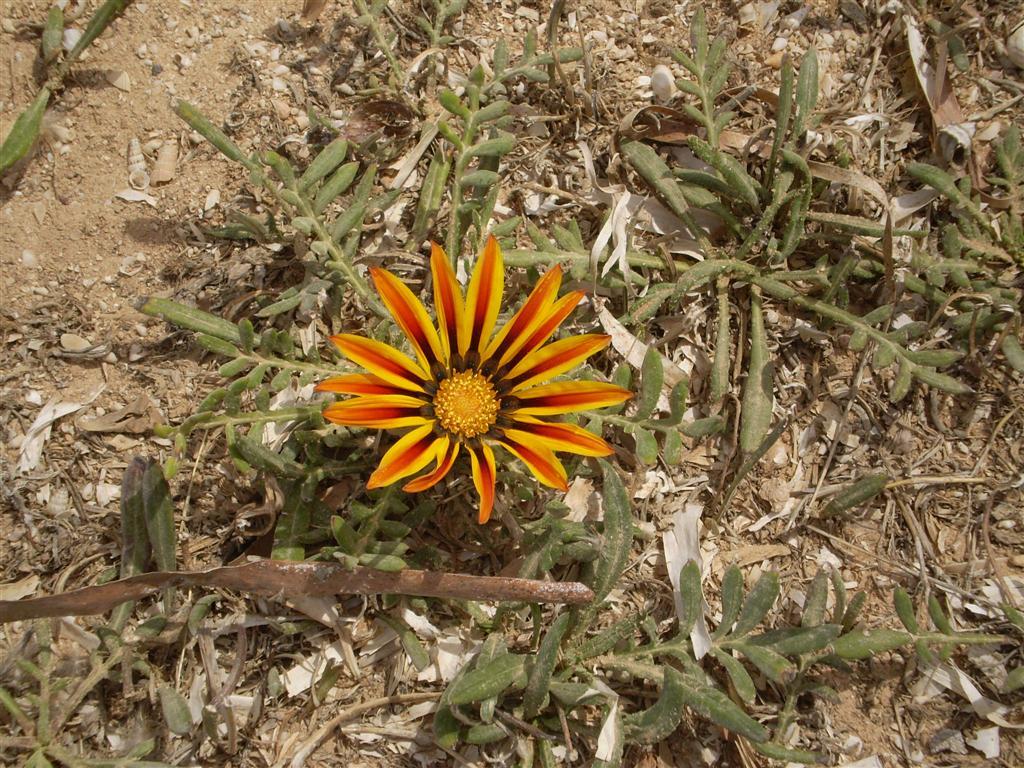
(682, 544)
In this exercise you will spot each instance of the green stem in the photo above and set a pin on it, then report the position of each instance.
(211, 421)
(385, 47)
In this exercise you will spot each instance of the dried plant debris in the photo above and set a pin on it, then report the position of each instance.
(797, 224)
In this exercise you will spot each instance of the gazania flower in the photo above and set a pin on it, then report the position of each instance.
(470, 388)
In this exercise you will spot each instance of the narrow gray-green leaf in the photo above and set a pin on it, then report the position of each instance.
(652, 377)
(489, 680)
(732, 599)
(24, 132)
(758, 389)
(539, 679)
(661, 718)
(330, 157)
(175, 710)
(759, 601)
(863, 644)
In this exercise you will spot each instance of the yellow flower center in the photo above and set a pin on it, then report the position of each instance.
(466, 404)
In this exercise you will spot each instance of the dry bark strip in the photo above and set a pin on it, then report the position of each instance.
(278, 577)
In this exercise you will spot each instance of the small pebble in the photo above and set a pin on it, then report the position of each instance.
(29, 259)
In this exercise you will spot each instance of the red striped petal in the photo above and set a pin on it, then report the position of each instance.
(569, 396)
(559, 436)
(538, 458)
(410, 454)
(380, 359)
(445, 459)
(410, 315)
(483, 299)
(359, 384)
(447, 300)
(529, 316)
(544, 329)
(377, 411)
(484, 478)
(547, 362)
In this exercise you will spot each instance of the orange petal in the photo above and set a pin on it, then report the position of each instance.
(410, 315)
(377, 411)
(359, 384)
(483, 299)
(410, 454)
(447, 299)
(380, 359)
(445, 459)
(543, 330)
(547, 362)
(484, 478)
(538, 458)
(569, 396)
(563, 437)
(529, 316)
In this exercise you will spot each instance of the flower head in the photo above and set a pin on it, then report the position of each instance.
(469, 387)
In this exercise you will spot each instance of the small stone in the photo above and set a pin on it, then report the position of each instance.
(779, 44)
(29, 259)
(72, 342)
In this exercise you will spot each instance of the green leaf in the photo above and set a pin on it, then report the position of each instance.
(53, 34)
(617, 534)
(647, 306)
(479, 179)
(190, 318)
(788, 754)
(817, 600)
(794, 641)
(773, 665)
(646, 446)
(485, 733)
(656, 174)
(863, 644)
(608, 638)
(652, 377)
(198, 612)
(175, 710)
(905, 610)
(330, 157)
(199, 123)
(539, 679)
(901, 384)
(711, 425)
(1013, 352)
(759, 601)
(732, 598)
(292, 525)
(672, 449)
(1014, 680)
(738, 674)
(493, 147)
(25, 131)
(489, 680)
(933, 378)
(720, 709)
(758, 389)
(662, 718)
(691, 597)
(337, 184)
(159, 513)
(860, 492)
(853, 610)
(806, 92)
(410, 643)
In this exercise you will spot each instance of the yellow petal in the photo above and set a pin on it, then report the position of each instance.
(410, 315)
(483, 299)
(410, 454)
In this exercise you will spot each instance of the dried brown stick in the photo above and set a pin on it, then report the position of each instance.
(272, 577)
